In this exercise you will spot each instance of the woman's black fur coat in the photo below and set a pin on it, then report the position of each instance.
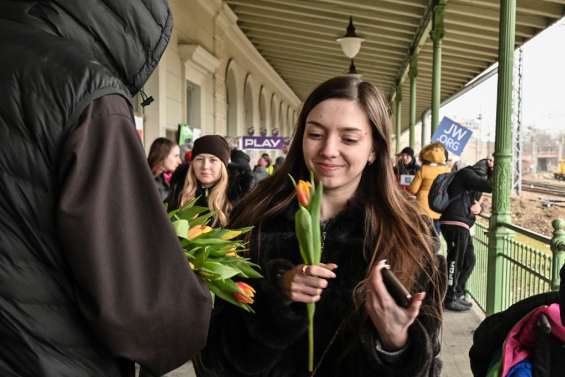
(273, 341)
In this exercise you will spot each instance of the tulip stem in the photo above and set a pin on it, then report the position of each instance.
(310, 308)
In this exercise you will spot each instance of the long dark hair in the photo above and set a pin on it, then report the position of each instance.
(158, 152)
(395, 228)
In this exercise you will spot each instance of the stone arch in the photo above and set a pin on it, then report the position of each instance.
(234, 96)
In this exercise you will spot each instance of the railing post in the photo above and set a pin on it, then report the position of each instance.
(501, 213)
(558, 250)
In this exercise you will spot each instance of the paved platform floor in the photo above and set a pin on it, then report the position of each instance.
(456, 341)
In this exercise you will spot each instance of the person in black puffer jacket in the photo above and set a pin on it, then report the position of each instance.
(465, 190)
(93, 277)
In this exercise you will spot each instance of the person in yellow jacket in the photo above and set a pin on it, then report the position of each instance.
(433, 157)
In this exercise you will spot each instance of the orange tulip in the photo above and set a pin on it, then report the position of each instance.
(303, 192)
(245, 294)
(197, 230)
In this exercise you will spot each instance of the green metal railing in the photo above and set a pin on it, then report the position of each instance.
(477, 284)
(530, 263)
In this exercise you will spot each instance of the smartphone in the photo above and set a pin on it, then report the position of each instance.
(395, 288)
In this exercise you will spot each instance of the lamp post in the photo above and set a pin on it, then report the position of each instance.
(350, 45)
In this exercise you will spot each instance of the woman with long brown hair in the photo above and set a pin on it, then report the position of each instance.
(368, 224)
(163, 160)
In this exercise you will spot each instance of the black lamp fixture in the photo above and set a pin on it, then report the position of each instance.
(145, 99)
(353, 70)
(350, 45)
(351, 42)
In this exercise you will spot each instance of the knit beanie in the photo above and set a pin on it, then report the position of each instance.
(407, 150)
(214, 145)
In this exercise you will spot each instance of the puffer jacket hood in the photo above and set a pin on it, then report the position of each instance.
(129, 39)
(481, 167)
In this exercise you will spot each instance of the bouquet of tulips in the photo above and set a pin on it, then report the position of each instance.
(214, 254)
(308, 233)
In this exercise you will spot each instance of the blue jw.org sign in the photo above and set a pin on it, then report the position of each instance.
(453, 135)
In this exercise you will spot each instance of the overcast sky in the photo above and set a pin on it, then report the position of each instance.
(543, 87)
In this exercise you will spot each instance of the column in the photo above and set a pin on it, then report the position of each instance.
(423, 120)
(397, 112)
(437, 36)
(503, 158)
(413, 75)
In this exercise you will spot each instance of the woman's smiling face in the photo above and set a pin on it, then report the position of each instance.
(338, 143)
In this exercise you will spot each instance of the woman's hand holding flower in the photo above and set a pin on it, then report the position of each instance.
(390, 320)
(306, 283)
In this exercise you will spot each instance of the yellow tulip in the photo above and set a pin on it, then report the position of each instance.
(231, 252)
(230, 234)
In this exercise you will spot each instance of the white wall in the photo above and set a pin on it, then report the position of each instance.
(206, 44)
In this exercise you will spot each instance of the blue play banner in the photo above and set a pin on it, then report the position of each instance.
(262, 142)
(453, 135)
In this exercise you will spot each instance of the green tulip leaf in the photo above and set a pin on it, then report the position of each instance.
(181, 228)
(223, 271)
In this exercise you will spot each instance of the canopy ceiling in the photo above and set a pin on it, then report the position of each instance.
(297, 37)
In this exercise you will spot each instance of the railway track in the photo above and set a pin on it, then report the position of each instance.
(543, 188)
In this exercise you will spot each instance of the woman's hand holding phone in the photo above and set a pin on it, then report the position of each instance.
(391, 319)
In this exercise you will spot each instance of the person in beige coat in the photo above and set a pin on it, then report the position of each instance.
(433, 157)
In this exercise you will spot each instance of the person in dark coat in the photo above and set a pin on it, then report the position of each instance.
(343, 137)
(240, 175)
(465, 193)
(93, 277)
(406, 164)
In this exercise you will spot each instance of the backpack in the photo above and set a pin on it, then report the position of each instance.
(438, 197)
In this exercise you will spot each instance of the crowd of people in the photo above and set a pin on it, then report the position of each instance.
(454, 223)
(93, 278)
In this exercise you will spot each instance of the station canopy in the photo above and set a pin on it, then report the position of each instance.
(298, 38)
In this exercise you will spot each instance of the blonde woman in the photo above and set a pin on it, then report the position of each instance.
(206, 178)
(433, 157)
